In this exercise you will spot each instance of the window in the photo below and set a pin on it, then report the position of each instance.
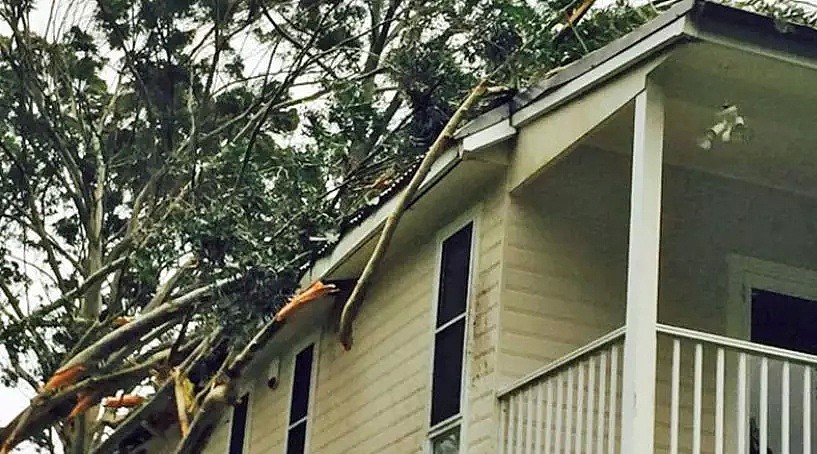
(449, 341)
(299, 405)
(238, 426)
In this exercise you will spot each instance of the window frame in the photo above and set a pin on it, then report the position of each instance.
(458, 420)
(247, 424)
(314, 340)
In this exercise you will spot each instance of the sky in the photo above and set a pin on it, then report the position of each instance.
(13, 400)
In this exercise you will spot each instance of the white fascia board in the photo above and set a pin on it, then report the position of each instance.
(359, 235)
(599, 74)
(489, 136)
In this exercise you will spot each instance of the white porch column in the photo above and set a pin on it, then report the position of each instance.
(638, 399)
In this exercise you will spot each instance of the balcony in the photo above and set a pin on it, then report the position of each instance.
(714, 394)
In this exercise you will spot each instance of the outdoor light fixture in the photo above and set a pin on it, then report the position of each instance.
(273, 373)
(729, 126)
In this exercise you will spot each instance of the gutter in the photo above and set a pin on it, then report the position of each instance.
(535, 101)
(358, 236)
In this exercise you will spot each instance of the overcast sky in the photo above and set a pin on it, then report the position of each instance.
(14, 400)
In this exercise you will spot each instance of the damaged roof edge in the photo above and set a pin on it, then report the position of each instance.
(355, 238)
(687, 19)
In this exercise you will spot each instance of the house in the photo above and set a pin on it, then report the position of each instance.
(623, 259)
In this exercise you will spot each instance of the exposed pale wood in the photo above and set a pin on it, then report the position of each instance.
(180, 398)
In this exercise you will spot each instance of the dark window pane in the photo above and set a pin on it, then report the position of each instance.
(784, 321)
(296, 439)
(447, 442)
(447, 380)
(456, 256)
(300, 385)
(239, 425)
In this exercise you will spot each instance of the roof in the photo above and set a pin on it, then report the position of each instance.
(705, 20)
(685, 20)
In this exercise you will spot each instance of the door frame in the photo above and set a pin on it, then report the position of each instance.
(746, 273)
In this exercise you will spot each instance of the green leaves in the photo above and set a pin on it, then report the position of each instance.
(241, 134)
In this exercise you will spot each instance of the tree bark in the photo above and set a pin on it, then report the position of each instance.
(352, 305)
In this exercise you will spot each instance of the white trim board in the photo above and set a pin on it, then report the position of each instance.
(314, 339)
(249, 392)
(471, 216)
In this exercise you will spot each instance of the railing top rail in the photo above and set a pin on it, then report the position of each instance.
(739, 345)
(585, 350)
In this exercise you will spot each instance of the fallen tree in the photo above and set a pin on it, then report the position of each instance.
(162, 198)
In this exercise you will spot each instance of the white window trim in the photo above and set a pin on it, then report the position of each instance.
(469, 217)
(296, 348)
(245, 447)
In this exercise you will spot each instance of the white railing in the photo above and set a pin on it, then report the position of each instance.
(569, 406)
(721, 395)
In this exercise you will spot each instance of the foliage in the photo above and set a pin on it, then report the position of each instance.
(203, 150)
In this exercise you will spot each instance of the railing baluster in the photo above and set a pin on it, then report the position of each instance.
(602, 395)
(529, 430)
(569, 408)
(520, 413)
(806, 410)
(675, 396)
(741, 421)
(511, 429)
(571, 405)
(611, 430)
(591, 400)
(549, 420)
(697, 397)
(764, 404)
(577, 446)
(503, 421)
(784, 410)
(719, 401)
(559, 410)
(539, 403)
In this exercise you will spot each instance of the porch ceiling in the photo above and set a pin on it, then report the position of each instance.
(777, 99)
